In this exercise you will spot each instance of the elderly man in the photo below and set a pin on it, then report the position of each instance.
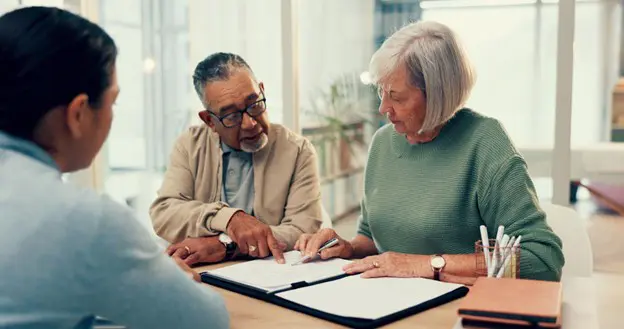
(238, 184)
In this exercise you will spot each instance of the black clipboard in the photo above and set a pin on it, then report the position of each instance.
(345, 321)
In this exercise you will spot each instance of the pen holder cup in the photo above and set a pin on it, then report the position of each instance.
(499, 258)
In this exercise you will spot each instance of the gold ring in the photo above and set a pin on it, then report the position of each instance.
(252, 248)
(188, 250)
(375, 264)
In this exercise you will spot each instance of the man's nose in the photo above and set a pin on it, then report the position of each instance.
(248, 122)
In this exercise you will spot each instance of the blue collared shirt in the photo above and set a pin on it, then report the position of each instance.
(238, 179)
(67, 254)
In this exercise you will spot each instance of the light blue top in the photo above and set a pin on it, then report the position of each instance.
(67, 254)
(238, 179)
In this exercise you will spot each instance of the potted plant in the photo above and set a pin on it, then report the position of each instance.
(342, 110)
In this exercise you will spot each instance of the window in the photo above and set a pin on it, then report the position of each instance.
(160, 42)
(511, 42)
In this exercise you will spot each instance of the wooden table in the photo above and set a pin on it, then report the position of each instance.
(246, 312)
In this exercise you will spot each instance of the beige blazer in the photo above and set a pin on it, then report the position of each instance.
(286, 182)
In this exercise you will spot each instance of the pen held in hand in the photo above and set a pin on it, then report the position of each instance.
(325, 245)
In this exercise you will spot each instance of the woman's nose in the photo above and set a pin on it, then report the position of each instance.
(384, 108)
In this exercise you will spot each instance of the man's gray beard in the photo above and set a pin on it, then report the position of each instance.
(251, 147)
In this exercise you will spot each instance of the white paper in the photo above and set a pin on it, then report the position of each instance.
(268, 275)
(368, 298)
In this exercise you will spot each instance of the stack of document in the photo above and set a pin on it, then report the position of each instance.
(369, 299)
(269, 276)
(322, 289)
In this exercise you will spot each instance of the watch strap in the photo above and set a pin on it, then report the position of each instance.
(230, 249)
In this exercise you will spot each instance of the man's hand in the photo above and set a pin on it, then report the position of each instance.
(254, 238)
(187, 269)
(198, 250)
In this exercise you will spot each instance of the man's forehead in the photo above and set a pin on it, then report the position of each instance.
(231, 92)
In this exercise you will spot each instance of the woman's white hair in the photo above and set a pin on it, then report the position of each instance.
(436, 64)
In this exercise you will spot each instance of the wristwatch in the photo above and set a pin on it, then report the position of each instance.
(230, 246)
(437, 264)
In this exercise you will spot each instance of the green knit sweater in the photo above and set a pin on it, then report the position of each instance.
(431, 198)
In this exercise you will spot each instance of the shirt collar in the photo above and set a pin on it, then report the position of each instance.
(25, 147)
(226, 149)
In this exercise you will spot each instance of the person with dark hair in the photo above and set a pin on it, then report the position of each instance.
(67, 254)
(237, 185)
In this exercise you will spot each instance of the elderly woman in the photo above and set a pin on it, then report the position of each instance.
(438, 173)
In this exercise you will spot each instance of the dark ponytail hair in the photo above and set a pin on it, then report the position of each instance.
(48, 56)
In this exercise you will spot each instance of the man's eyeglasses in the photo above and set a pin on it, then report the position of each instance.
(235, 119)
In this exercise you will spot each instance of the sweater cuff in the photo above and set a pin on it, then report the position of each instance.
(222, 219)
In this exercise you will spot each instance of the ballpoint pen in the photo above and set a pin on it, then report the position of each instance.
(512, 250)
(495, 252)
(324, 246)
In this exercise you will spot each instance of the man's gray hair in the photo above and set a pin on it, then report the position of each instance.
(216, 67)
(436, 64)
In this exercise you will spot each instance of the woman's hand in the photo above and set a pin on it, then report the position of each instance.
(309, 245)
(392, 264)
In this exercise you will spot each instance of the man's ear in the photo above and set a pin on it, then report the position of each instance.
(206, 118)
(261, 84)
(76, 114)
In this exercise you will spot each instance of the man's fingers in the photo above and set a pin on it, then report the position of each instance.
(195, 276)
(263, 249)
(180, 253)
(192, 274)
(171, 249)
(374, 273)
(275, 248)
(192, 259)
(252, 246)
(242, 246)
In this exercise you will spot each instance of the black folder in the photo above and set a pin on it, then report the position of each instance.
(271, 297)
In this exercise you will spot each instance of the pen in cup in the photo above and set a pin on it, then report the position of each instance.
(328, 244)
(486, 246)
(495, 252)
(510, 254)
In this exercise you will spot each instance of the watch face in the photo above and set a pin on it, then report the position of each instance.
(438, 262)
(224, 238)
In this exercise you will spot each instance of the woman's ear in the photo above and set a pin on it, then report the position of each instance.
(76, 115)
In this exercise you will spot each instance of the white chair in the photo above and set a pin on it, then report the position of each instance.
(569, 226)
(327, 221)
